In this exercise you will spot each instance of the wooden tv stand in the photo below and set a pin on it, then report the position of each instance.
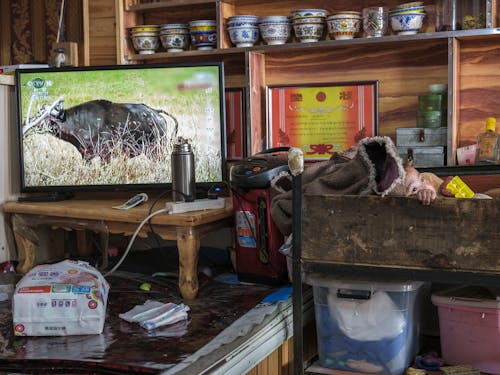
(99, 216)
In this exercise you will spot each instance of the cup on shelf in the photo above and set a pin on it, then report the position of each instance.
(243, 36)
(344, 25)
(145, 38)
(375, 21)
(174, 37)
(203, 34)
(275, 30)
(309, 29)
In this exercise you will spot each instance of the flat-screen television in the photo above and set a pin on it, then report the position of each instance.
(114, 127)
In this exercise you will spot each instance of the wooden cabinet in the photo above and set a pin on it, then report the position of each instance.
(404, 66)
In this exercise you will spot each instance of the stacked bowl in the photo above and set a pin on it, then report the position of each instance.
(243, 30)
(407, 18)
(308, 24)
(174, 37)
(275, 29)
(344, 25)
(145, 38)
(203, 34)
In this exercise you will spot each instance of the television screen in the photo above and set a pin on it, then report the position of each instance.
(114, 127)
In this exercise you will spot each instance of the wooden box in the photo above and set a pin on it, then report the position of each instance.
(451, 234)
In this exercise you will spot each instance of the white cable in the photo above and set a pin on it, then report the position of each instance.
(132, 239)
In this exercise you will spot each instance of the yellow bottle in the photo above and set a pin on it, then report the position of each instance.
(488, 144)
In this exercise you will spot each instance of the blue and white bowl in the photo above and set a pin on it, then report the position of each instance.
(244, 36)
(407, 23)
(242, 20)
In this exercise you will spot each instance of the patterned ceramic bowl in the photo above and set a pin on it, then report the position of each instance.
(299, 13)
(243, 36)
(243, 20)
(175, 42)
(145, 43)
(275, 33)
(308, 32)
(204, 40)
(343, 28)
(407, 24)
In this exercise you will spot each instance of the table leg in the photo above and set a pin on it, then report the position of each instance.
(188, 245)
(26, 241)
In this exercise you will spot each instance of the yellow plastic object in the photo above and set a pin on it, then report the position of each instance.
(459, 188)
(145, 286)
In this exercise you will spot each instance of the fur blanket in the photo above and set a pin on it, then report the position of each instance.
(374, 168)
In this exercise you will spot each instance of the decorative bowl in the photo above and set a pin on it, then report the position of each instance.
(145, 44)
(274, 19)
(275, 33)
(343, 28)
(144, 28)
(175, 41)
(174, 26)
(308, 32)
(145, 39)
(406, 11)
(346, 14)
(244, 36)
(204, 39)
(407, 24)
(409, 5)
(305, 20)
(299, 13)
(243, 20)
(202, 25)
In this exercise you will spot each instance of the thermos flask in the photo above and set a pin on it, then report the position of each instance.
(183, 178)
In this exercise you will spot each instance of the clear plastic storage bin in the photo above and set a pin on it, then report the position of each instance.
(364, 326)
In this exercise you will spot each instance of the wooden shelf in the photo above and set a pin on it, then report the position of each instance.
(323, 44)
(130, 7)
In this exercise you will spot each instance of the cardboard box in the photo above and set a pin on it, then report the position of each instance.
(65, 298)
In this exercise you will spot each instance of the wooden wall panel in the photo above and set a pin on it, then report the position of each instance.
(479, 84)
(102, 32)
(29, 29)
(403, 71)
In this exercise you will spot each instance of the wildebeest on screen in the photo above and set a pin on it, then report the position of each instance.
(100, 127)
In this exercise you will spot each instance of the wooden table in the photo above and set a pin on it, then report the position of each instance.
(99, 216)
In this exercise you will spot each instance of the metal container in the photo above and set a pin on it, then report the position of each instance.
(423, 156)
(183, 175)
(421, 137)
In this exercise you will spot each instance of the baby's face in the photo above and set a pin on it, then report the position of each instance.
(414, 182)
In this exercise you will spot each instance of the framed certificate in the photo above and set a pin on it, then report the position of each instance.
(322, 120)
(235, 119)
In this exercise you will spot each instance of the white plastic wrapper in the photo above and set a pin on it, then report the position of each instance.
(65, 298)
(154, 314)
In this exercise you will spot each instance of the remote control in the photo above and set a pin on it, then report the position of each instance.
(132, 202)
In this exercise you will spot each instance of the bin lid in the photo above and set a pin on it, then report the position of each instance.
(316, 279)
(472, 296)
